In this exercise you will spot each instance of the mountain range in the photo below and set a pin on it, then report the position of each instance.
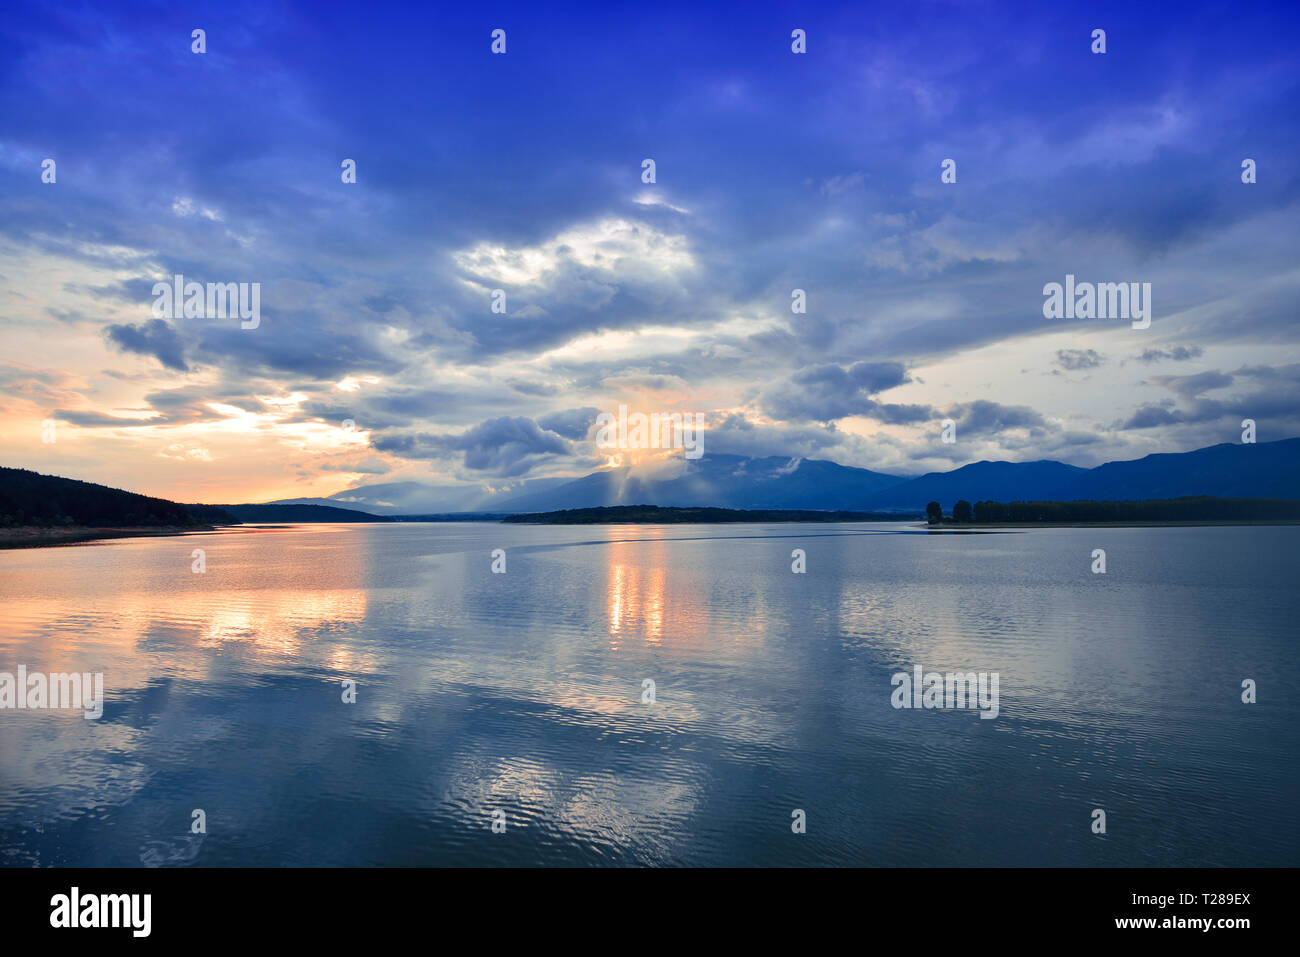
(1258, 470)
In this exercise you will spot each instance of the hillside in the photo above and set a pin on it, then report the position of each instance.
(723, 481)
(1000, 481)
(30, 499)
(1263, 470)
(297, 513)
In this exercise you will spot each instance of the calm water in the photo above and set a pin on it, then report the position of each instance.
(521, 692)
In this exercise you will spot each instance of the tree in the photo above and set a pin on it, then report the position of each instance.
(961, 512)
(934, 513)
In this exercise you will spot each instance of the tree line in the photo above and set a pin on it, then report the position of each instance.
(31, 499)
(1186, 509)
(669, 514)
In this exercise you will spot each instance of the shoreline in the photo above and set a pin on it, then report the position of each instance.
(42, 537)
(35, 536)
(1191, 523)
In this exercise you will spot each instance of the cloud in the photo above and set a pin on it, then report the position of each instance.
(1072, 360)
(1150, 416)
(1176, 354)
(94, 420)
(570, 423)
(154, 338)
(610, 247)
(984, 417)
(1192, 386)
(506, 446)
(676, 292)
(1270, 394)
(844, 183)
(826, 392)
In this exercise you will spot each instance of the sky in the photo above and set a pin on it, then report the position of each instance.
(377, 356)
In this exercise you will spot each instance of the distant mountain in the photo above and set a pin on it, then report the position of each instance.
(298, 513)
(1259, 470)
(29, 498)
(722, 481)
(993, 481)
(322, 502)
(1263, 470)
(419, 498)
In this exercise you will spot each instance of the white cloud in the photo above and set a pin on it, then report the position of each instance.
(620, 248)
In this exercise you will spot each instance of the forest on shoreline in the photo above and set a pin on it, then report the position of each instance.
(1190, 509)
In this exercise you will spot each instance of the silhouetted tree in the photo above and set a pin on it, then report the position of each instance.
(961, 512)
(934, 513)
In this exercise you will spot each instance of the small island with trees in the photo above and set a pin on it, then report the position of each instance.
(667, 515)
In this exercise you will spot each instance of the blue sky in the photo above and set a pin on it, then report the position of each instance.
(378, 358)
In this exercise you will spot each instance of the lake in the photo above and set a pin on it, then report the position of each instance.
(519, 698)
